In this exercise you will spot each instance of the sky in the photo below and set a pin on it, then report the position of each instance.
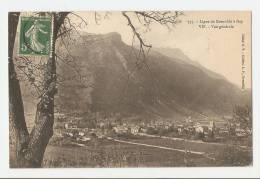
(219, 50)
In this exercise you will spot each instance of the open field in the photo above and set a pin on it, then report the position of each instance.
(119, 155)
(194, 145)
(224, 154)
(109, 153)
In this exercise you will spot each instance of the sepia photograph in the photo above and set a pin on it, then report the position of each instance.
(130, 89)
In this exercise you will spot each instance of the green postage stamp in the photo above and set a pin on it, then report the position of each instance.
(35, 36)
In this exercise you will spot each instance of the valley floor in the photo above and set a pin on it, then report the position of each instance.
(143, 151)
(146, 152)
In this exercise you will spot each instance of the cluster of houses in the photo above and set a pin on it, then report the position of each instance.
(188, 128)
(165, 128)
(83, 135)
(235, 128)
(195, 130)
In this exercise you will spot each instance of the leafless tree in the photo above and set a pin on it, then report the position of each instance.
(30, 147)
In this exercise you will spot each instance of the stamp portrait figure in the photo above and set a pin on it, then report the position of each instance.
(33, 35)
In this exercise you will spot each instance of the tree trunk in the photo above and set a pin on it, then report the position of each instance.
(44, 119)
(19, 133)
(30, 148)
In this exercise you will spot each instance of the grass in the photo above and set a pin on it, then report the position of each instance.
(225, 155)
(112, 154)
(118, 155)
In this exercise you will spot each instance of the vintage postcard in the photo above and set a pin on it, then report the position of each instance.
(111, 89)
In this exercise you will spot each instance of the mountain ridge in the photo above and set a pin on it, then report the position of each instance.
(161, 89)
(103, 76)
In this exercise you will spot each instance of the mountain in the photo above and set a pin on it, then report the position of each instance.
(103, 74)
(176, 53)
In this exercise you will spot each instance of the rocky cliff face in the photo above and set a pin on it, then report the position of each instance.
(164, 85)
(103, 74)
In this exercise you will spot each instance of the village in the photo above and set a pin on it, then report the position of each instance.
(82, 131)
